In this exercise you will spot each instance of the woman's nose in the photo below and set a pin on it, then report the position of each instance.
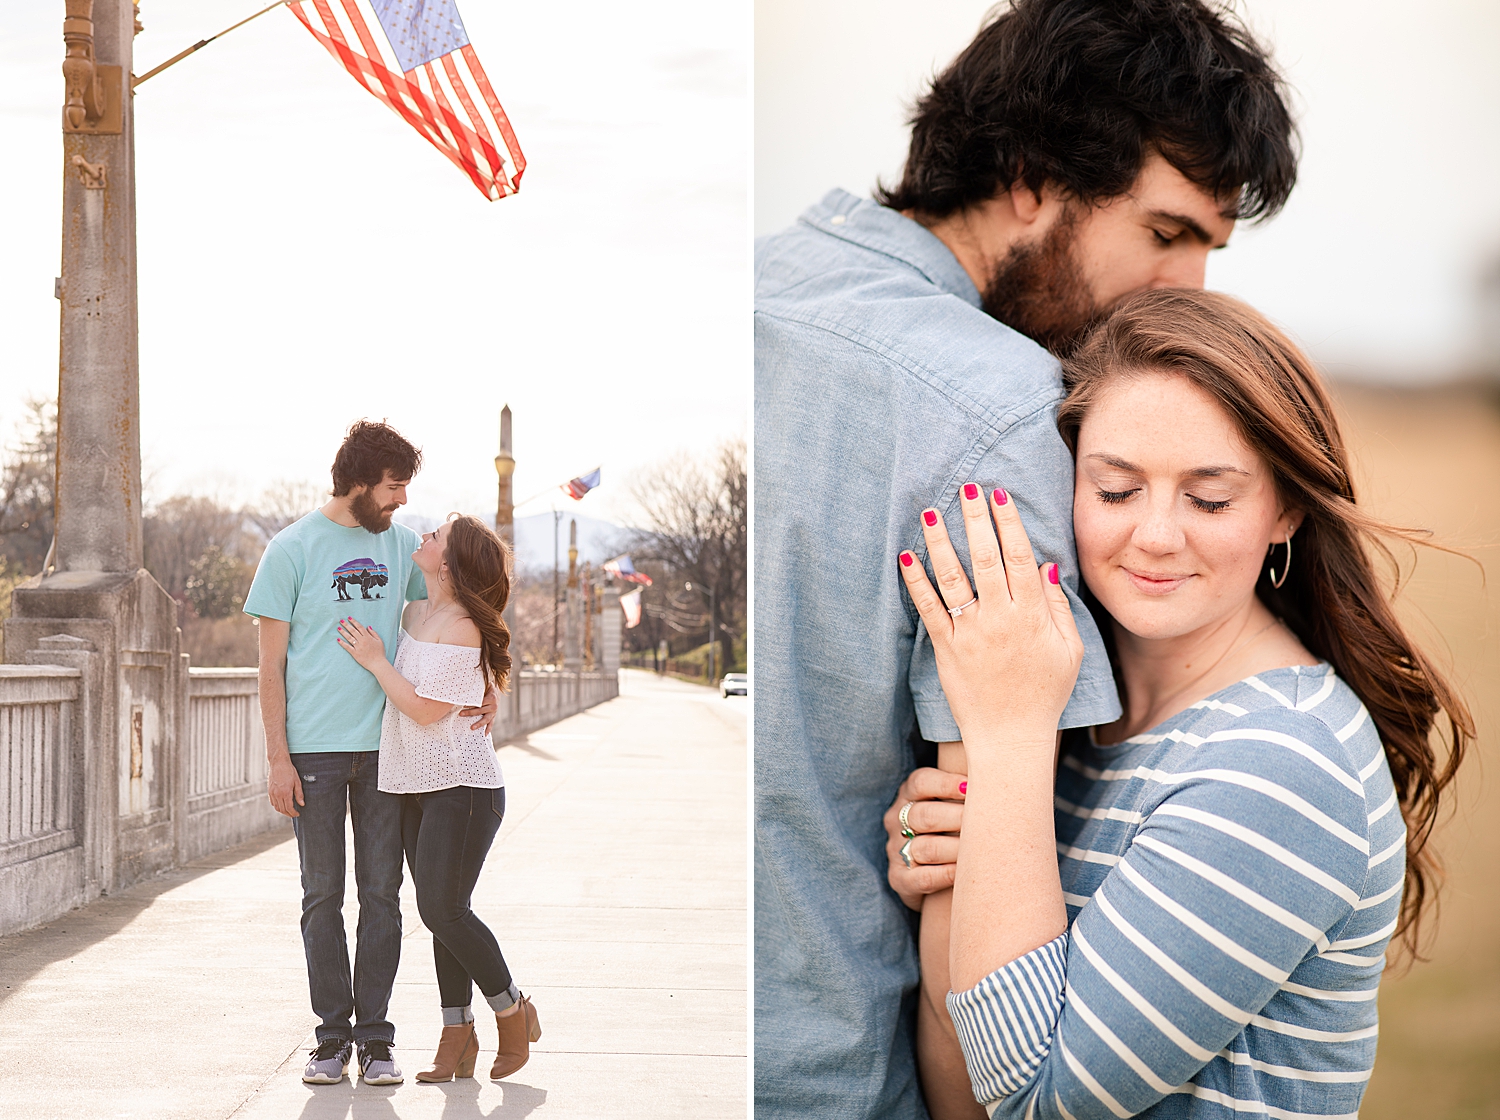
(1158, 531)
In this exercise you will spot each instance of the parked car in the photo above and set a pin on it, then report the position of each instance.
(735, 684)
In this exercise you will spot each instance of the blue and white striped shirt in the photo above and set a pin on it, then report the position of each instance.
(1232, 879)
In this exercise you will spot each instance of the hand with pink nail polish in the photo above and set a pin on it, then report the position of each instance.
(1006, 646)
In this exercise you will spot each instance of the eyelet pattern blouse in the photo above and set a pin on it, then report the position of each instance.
(447, 753)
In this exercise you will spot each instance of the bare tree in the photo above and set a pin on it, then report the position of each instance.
(26, 487)
(283, 502)
(695, 530)
(180, 531)
(532, 612)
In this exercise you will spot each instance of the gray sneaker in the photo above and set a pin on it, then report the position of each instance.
(326, 1064)
(376, 1063)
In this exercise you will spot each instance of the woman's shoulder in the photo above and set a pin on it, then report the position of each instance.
(1302, 727)
(461, 632)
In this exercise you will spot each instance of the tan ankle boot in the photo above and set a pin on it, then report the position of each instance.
(517, 1032)
(456, 1054)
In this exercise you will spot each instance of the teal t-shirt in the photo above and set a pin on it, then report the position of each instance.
(314, 573)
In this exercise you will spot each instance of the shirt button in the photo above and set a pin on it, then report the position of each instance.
(837, 219)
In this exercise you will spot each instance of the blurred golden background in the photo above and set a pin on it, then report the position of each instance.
(1430, 458)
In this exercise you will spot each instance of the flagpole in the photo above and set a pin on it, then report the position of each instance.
(200, 44)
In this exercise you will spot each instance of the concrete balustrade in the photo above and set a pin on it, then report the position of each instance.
(225, 778)
(537, 698)
(73, 804)
(38, 791)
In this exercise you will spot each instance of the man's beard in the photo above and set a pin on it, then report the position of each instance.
(1039, 290)
(371, 516)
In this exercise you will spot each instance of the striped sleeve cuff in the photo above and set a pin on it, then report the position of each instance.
(1006, 1021)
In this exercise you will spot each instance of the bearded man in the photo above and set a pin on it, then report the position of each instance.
(1077, 151)
(322, 714)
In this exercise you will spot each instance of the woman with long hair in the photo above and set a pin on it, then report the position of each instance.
(1187, 912)
(450, 646)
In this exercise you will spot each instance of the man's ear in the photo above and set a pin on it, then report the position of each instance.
(1026, 202)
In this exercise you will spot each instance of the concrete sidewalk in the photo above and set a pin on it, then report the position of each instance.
(616, 888)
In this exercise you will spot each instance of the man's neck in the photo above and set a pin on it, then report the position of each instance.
(978, 236)
(339, 512)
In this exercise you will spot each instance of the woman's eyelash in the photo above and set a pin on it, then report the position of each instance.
(1113, 496)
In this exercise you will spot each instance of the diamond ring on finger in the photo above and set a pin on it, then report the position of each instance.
(958, 610)
(906, 829)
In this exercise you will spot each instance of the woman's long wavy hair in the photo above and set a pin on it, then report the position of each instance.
(1332, 598)
(479, 568)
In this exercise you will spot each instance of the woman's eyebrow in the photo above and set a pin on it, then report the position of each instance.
(1215, 472)
(1197, 472)
(1114, 461)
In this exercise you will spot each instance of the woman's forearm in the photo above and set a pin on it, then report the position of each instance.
(402, 693)
(1007, 898)
(940, 1059)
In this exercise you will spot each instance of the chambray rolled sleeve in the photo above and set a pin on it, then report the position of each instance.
(881, 387)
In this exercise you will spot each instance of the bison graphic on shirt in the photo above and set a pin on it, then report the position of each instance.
(363, 573)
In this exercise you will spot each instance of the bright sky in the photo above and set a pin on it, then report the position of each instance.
(307, 259)
(1375, 264)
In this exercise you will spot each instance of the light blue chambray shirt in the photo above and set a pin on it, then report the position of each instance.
(880, 388)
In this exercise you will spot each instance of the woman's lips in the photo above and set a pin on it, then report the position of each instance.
(1155, 583)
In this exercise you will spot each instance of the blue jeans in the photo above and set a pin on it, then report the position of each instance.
(447, 834)
(330, 781)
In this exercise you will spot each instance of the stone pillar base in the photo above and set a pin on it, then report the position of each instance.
(132, 797)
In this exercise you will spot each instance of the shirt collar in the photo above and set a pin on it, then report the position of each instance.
(872, 226)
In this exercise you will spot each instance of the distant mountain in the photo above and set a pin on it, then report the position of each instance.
(597, 540)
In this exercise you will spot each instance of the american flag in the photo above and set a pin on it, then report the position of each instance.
(631, 605)
(622, 568)
(581, 485)
(441, 89)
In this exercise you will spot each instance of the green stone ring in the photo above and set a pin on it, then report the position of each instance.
(906, 829)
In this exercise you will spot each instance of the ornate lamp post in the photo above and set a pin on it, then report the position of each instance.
(95, 603)
(505, 467)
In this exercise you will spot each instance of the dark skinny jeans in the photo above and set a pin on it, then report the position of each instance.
(333, 783)
(447, 834)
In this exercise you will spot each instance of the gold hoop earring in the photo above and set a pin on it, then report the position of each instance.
(1276, 583)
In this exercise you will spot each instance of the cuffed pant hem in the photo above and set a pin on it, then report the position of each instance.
(457, 1016)
(502, 1001)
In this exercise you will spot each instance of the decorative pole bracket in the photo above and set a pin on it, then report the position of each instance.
(95, 92)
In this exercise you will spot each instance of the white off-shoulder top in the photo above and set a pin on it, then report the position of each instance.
(448, 753)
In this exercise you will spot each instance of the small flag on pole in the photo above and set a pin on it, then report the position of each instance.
(622, 569)
(441, 89)
(630, 603)
(581, 485)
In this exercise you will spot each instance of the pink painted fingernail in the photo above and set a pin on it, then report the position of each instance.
(906, 559)
(1052, 574)
(929, 516)
(1001, 497)
(970, 491)
(963, 787)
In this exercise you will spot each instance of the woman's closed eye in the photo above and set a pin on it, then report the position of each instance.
(1207, 505)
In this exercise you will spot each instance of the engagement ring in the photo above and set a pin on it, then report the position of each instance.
(956, 611)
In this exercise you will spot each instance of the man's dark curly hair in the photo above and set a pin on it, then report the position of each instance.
(369, 450)
(1078, 93)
